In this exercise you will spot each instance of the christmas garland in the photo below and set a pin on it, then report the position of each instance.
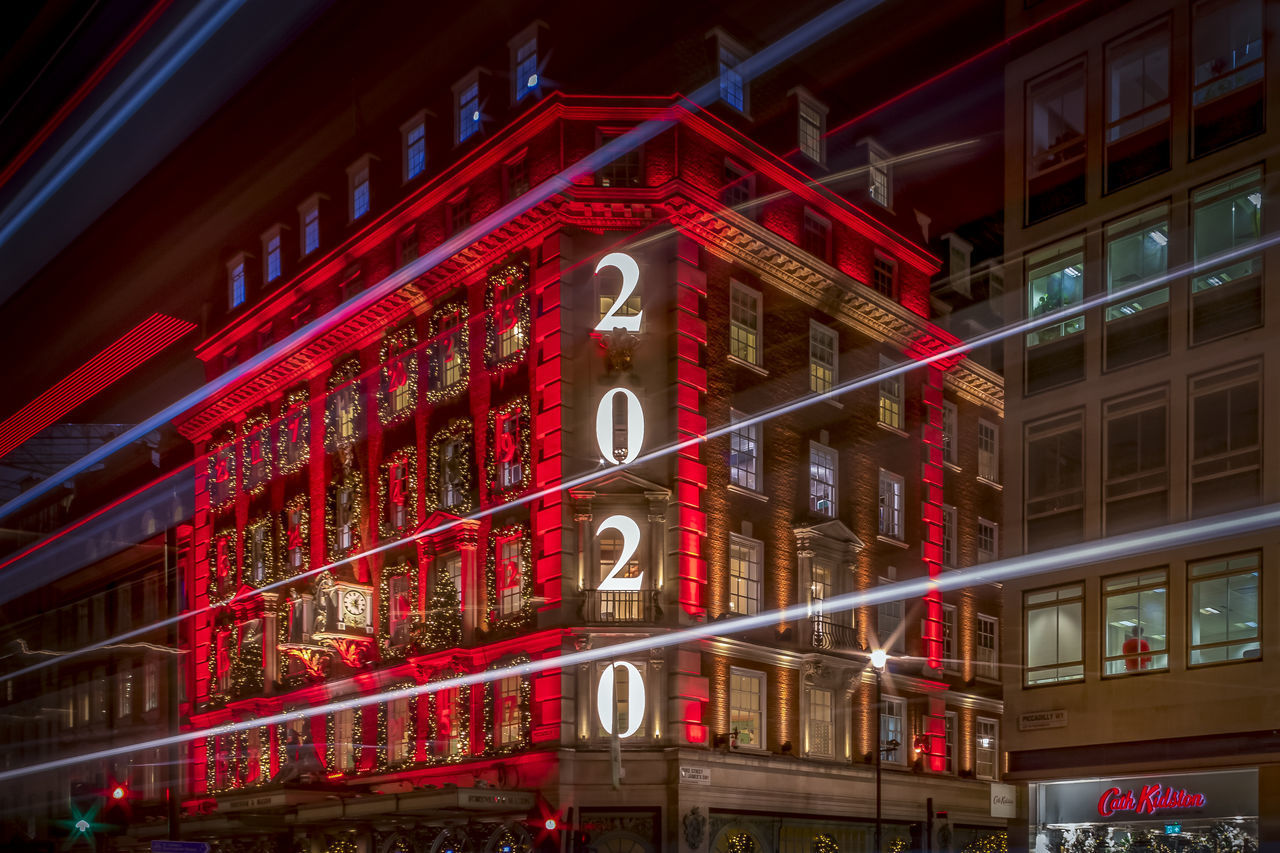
(222, 578)
(222, 624)
(247, 672)
(461, 720)
(518, 408)
(295, 406)
(284, 662)
(344, 385)
(458, 428)
(399, 361)
(351, 479)
(411, 730)
(256, 434)
(221, 471)
(824, 844)
(438, 391)
(405, 569)
(409, 456)
(330, 745)
(269, 572)
(298, 504)
(524, 617)
(524, 707)
(510, 277)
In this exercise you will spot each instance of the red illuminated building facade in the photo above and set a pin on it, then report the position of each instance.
(463, 447)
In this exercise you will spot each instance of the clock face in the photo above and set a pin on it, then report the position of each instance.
(353, 605)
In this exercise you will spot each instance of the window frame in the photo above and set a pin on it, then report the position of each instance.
(950, 434)
(726, 45)
(1078, 598)
(273, 237)
(891, 396)
(1247, 183)
(817, 151)
(412, 134)
(760, 678)
(1043, 429)
(984, 555)
(817, 331)
(899, 703)
(896, 529)
(951, 742)
(462, 89)
(884, 275)
(1144, 581)
(950, 522)
(986, 669)
(1228, 380)
(814, 224)
(816, 496)
(989, 472)
(879, 163)
(810, 721)
(360, 176)
(994, 748)
(748, 480)
(950, 637)
(751, 583)
(1227, 573)
(309, 214)
(521, 88)
(237, 281)
(752, 339)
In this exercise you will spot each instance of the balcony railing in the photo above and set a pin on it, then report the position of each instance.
(620, 605)
(829, 634)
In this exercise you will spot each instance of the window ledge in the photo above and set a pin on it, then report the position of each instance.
(889, 540)
(951, 466)
(830, 401)
(750, 750)
(757, 368)
(750, 493)
(1136, 674)
(992, 483)
(893, 429)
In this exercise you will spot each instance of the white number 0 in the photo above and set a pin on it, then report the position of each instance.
(626, 265)
(630, 542)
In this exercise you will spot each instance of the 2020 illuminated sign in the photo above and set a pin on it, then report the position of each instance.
(635, 699)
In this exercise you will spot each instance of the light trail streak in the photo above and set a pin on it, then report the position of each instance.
(1177, 535)
(822, 25)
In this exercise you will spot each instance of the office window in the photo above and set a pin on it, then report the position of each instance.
(733, 89)
(1228, 297)
(745, 322)
(948, 536)
(625, 170)
(890, 396)
(1054, 509)
(235, 282)
(1226, 440)
(816, 236)
(525, 73)
(1138, 323)
(950, 660)
(821, 723)
(879, 177)
(1054, 640)
(1055, 280)
(986, 748)
(1136, 490)
(949, 729)
(1055, 142)
(823, 347)
(746, 707)
(822, 480)
(415, 147)
(1135, 613)
(893, 729)
(744, 455)
(468, 110)
(892, 487)
(1137, 98)
(358, 186)
(884, 276)
(309, 214)
(745, 559)
(1225, 619)
(988, 451)
(889, 616)
(950, 441)
(271, 255)
(1227, 73)
(987, 648)
(988, 540)
(739, 188)
(812, 131)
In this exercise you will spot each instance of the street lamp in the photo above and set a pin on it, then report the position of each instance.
(878, 660)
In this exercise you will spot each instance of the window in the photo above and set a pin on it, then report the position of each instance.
(1054, 509)
(1136, 491)
(893, 724)
(451, 568)
(823, 346)
(879, 177)
(821, 738)
(399, 732)
(889, 616)
(453, 480)
(507, 451)
(949, 728)
(744, 323)
(1055, 142)
(1137, 252)
(467, 99)
(890, 396)
(415, 147)
(950, 661)
(745, 558)
(399, 493)
(746, 708)
(816, 236)
(271, 255)
(619, 605)
(508, 726)
(950, 442)
(1055, 280)
(1054, 620)
(1228, 297)
(235, 282)
(510, 576)
(1224, 610)
(507, 291)
(811, 134)
(987, 747)
(259, 536)
(744, 455)
(988, 540)
(150, 686)
(400, 608)
(459, 212)
(309, 214)
(891, 505)
(733, 90)
(516, 176)
(524, 66)
(884, 276)
(822, 480)
(358, 186)
(948, 536)
(627, 169)
(988, 451)
(988, 661)
(449, 352)
(344, 741)
(1226, 440)
(344, 518)
(1135, 612)
(1227, 73)
(739, 188)
(621, 699)
(1137, 140)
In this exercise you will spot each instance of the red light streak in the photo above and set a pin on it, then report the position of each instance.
(136, 346)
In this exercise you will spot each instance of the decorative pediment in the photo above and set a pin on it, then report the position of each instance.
(619, 483)
(451, 531)
(834, 534)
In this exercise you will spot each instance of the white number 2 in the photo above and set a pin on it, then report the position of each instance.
(626, 265)
(630, 542)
